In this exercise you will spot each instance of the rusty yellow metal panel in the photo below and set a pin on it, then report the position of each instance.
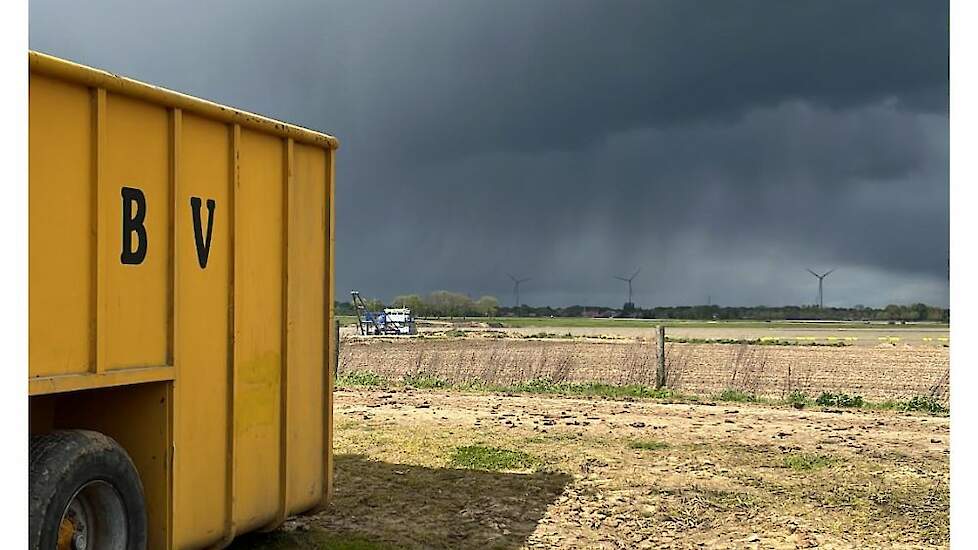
(138, 418)
(183, 296)
(134, 227)
(258, 309)
(41, 63)
(307, 328)
(332, 345)
(201, 352)
(61, 223)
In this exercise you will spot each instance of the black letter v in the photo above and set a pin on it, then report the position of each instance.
(203, 246)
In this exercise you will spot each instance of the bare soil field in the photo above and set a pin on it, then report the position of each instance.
(877, 373)
(435, 469)
(874, 335)
(927, 337)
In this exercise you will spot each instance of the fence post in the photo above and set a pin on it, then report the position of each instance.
(336, 348)
(660, 371)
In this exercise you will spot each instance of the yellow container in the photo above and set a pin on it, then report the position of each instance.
(181, 268)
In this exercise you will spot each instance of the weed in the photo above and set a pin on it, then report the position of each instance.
(694, 507)
(591, 389)
(748, 367)
(362, 378)
(940, 390)
(925, 403)
(805, 461)
(797, 398)
(424, 381)
(478, 457)
(736, 395)
(827, 399)
(690, 512)
(796, 381)
(646, 445)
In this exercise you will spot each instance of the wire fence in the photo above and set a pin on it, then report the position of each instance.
(874, 373)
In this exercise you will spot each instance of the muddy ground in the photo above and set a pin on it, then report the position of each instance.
(626, 474)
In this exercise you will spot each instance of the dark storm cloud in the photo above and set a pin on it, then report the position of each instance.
(723, 146)
(559, 74)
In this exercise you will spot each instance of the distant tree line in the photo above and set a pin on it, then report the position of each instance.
(893, 312)
(443, 303)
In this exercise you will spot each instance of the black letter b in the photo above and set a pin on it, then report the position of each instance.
(133, 223)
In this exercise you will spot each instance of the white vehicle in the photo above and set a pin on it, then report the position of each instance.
(399, 320)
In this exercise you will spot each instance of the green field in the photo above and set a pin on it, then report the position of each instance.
(520, 322)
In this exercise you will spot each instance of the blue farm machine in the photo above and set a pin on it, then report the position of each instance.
(390, 321)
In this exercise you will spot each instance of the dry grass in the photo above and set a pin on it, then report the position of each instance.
(747, 368)
(876, 374)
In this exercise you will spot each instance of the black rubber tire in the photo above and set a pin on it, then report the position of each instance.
(63, 461)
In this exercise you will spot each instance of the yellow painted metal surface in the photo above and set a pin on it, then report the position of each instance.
(181, 265)
(133, 299)
(61, 338)
(306, 352)
(203, 300)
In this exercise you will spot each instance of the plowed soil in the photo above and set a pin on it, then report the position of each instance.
(885, 372)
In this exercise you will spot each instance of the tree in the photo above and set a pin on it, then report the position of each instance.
(919, 312)
(439, 303)
(460, 305)
(413, 302)
(486, 306)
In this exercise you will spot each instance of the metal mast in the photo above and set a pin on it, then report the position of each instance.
(820, 279)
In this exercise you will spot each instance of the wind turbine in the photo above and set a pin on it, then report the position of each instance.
(820, 279)
(629, 281)
(516, 288)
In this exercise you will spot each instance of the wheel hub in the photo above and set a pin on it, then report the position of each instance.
(94, 520)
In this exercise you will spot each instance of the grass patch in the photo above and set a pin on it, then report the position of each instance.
(593, 389)
(736, 396)
(478, 457)
(923, 403)
(648, 445)
(806, 461)
(797, 399)
(827, 399)
(359, 378)
(424, 381)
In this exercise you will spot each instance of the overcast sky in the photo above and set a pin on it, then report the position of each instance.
(723, 147)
